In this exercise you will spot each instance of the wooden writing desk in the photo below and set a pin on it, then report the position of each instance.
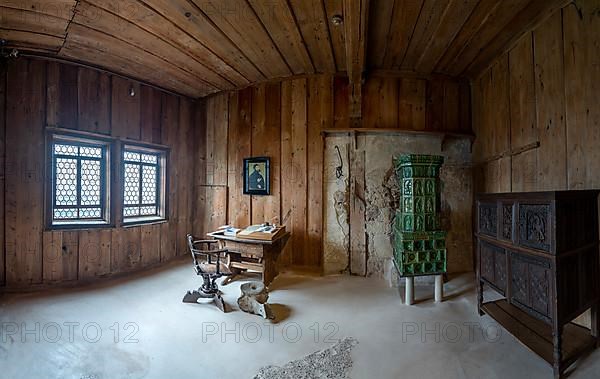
(255, 255)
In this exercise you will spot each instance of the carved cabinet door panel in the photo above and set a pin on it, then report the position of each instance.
(530, 285)
(535, 226)
(487, 262)
(488, 219)
(493, 265)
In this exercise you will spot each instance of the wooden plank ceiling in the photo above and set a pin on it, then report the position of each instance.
(198, 47)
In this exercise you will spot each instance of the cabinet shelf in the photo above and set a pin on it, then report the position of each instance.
(537, 335)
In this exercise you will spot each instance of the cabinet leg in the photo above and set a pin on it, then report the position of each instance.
(409, 291)
(596, 323)
(479, 297)
(439, 288)
(557, 342)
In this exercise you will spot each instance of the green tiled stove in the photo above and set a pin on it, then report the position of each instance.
(419, 244)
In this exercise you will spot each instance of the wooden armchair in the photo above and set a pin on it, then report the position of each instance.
(209, 265)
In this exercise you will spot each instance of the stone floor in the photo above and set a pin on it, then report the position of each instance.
(139, 328)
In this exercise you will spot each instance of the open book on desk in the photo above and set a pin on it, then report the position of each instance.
(262, 232)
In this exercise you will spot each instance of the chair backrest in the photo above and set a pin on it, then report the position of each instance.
(208, 254)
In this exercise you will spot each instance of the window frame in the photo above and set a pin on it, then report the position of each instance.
(161, 183)
(70, 137)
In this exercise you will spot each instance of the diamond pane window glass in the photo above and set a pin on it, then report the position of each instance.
(142, 185)
(79, 181)
(132, 184)
(149, 178)
(66, 181)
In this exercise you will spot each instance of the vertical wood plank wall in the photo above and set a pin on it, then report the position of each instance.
(284, 121)
(208, 140)
(35, 94)
(545, 89)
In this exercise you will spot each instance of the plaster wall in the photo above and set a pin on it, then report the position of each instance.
(381, 195)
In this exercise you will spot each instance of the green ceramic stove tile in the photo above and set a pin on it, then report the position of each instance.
(419, 245)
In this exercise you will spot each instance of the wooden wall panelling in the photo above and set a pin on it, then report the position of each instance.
(61, 255)
(380, 103)
(125, 123)
(340, 102)
(451, 116)
(435, 105)
(581, 41)
(212, 209)
(239, 147)
(258, 138)
(412, 104)
(61, 97)
(151, 110)
(320, 115)
(199, 176)
(550, 94)
(2, 172)
(93, 101)
(185, 167)
(169, 136)
(266, 128)
(94, 253)
(61, 251)
(125, 109)
(478, 146)
(150, 244)
(298, 162)
(287, 185)
(217, 137)
(500, 105)
(523, 114)
(26, 103)
(272, 205)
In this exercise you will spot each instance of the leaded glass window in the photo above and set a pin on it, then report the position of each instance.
(142, 184)
(78, 182)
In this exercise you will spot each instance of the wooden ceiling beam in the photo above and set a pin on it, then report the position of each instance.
(355, 26)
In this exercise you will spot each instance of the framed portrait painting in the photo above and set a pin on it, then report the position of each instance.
(257, 176)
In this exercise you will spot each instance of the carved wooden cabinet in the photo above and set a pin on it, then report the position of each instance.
(539, 252)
